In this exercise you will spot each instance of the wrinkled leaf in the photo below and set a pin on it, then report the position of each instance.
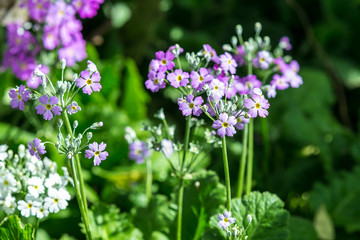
(301, 228)
(11, 228)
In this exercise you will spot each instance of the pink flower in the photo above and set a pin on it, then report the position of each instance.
(90, 82)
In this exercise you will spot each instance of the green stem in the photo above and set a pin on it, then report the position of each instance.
(148, 179)
(180, 209)
(36, 226)
(250, 157)
(79, 182)
(227, 175)
(243, 162)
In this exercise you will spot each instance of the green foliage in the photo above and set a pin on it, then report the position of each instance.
(301, 228)
(107, 223)
(269, 218)
(11, 228)
(156, 217)
(341, 198)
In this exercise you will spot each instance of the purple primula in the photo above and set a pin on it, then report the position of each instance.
(38, 9)
(207, 49)
(285, 43)
(154, 65)
(138, 151)
(19, 97)
(47, 107)
(87, 8)
(74, 52)
(250, 82)
(271, 91)
(257, 105)
(190, 105)
(51, 37)
(228, 63)
(241, 119)
(225, 220)
(199, 79)
(240, 56)
(73, 108)
(165, 60)
(36, 148)
(225, 125)
(280, 82)
(178, 78)
(90, 82)
(97, 151)
(217, 89)
(156, 81)
(262, 60)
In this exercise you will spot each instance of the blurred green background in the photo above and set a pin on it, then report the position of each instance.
(310, 156)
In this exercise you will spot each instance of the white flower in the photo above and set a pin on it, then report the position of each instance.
(53, 181)
(35, 186)
(34, 165)
(9, 204)
(57, 200)
(8, 183)
(3, 153)
(50, 165)
(42, 212)
(29, 206)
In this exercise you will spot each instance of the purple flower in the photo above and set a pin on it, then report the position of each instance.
(91, 66)
(262, 60)
(166, 60)
(178, 78)
(34, 81)
(138, 151)
(271, 91)
(47, 107)
(240, 56)
(154, 65)
(257, 105)
(156, 81)
(51, 37)
(190, 105)
(293, 78)
(225, 220)
(38, 9)
(59, 11)
(217, 89)
(280, 63)
(199, 79)
(208, 50)
(87, 8)
(228, 63)
(19, 97)
(36, 148)
(74, 52)
(97, 151)
(285, 43)
(167, 147)
(280, 82)
(241, 120)
(90, 81)
(250, 82)
(23, 67)
(171, 48)
(225, 125)
(73, 108)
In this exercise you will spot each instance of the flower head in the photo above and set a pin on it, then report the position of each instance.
(262, 60)
(97, 151)
(138, 151)
(199, 79)
(257, 105)
(225, 125)
(156, 81)
(73, 108)
(190, 105)
(225, 220)
(36, 148)
(29, 206)
(90, 82)
(47, 107)
(19, 97)
(228, 63)
(166, 60)
(56, 200)
(178, 78)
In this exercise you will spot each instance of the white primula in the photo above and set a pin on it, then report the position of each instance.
(56, 200)
(53, 181)
(42, 212)
(9, 204)
(34, 165)
(8, 184)
(50, 165)
(3, 153)
(35, 186)
(29, 206)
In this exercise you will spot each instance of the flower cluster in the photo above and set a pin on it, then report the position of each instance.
(233, 231)
(216, 85)
(31, 186)
(58, 99)
(56, 24)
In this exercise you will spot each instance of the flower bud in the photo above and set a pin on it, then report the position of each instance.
(63, 63)
(69, 156)
(249, 218)
(89, 136)
(234, 41)
(75, 76)
(226, 47)
(239, 30)
(258, 28)
(60, 123)
(75, 124)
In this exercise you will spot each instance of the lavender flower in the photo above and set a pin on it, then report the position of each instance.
(87, 8)
(262, 60)
(38, 9)
(178, 78)
(97, 151)
(280, 82)
(156, 81)
(19, 97)
(217, 89)
(166, 61)
(91, 66)
(241, 120)
(36, 148)
(47, 107)
(208, 50)
(199, 79)
(257, 105)
(292, 77)
(190, 105)
(225, 220)
(90, 81)
(73, 108)
(228, 63)
(138, 151)
(285, 43)
(225, 125)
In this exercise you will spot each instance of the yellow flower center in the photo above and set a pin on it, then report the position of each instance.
(261, 60)
(61, 12)
(226, 220)
(229, 61)
(156, 81)
(97, 153)
(88, 82)
(34, 149)
(23, 66)
(191, 105)
(41, 210)
(201, 79)
(239, 120)
(48, 106)
(36, 187)
(204, 52)
(216, 88)
(19, 96)
(163, 62)
(179, 78)
(6, 183)
(29, 205)
(225, 125)
(39, 6)
(73, 108)
(257, 105)
(56, 200)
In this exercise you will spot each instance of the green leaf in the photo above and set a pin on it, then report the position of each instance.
(11, 228)
(156, 217)
(301, 228)
(135, 96)
(269, 218)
